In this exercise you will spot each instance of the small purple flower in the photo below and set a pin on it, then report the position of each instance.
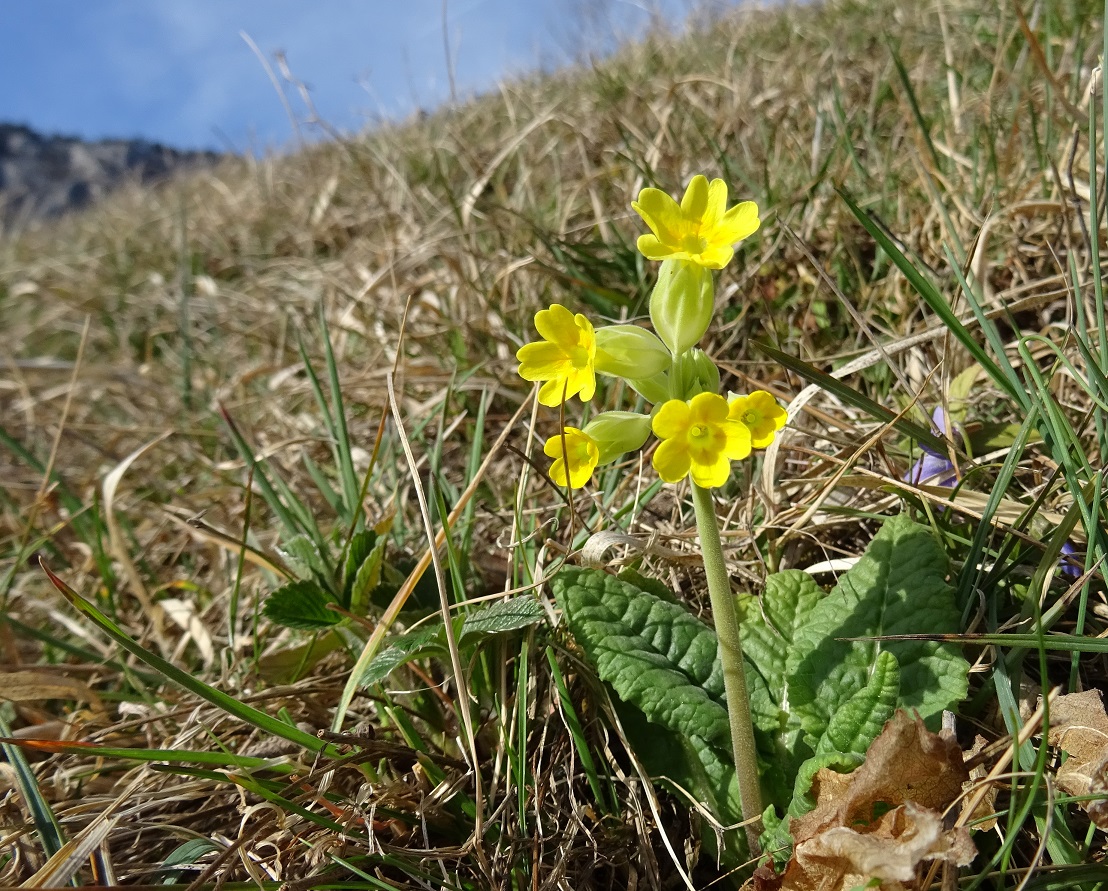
(933, 467)
(1070, 563)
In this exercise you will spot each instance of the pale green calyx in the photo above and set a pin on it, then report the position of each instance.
(618, 432)
(694, 372)
(654, 389)
(628, 351)
(681, 304)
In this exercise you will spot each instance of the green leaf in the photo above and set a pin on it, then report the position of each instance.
(301, 605)
(897, 587)
(403, 649)
(661, 659)
(361, 546)
(363, 569)
(303, 557)
(769, 626)
(855, 397)
(645, 583)
(264, 722)
(505, 615)
(857, 721)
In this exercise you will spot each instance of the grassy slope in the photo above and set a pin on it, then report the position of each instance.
(178, 301)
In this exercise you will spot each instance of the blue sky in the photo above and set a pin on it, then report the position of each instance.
(180, 72)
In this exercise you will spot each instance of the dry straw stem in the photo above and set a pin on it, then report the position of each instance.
(484, 213)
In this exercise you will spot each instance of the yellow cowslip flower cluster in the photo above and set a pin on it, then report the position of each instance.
(701, 432)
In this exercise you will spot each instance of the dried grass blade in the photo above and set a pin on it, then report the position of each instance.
(109, 487)
(373, 645)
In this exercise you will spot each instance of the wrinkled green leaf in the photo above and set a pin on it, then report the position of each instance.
(857, 721)
(367, 576)
(301, 605)
(769, 625)
(897, 587)
(504, 615)
(304, 558)
(403, 649)
(645, 583)
(661, 659)
(358, 551)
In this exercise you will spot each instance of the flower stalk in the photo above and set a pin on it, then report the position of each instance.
(726, 619)
(701, 430)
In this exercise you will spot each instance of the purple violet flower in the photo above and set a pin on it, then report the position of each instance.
(933, 467)
(1071, 567)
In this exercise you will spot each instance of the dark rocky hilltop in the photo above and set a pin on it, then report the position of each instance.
(46, 176)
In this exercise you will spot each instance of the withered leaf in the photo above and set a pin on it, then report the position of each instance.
(884, 820)
(905, 763)
(1079, 726)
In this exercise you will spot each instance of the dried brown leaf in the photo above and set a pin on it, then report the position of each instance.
(884, 820)
(35, 686)
(1079, 726)
(905, 763)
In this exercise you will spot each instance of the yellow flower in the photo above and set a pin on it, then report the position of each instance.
(698, 438)
(700, 229)
(564, 358)
(761, 415)
(580, 455)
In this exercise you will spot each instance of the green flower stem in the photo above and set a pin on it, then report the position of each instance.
(731, 655)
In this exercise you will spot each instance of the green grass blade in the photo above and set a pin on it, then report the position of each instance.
(852, 397)
(569, 713)
(46, 824)
(938, 304)
(219, 759)
(221, 700)
(293, 525)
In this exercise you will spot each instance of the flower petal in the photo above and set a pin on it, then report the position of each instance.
(711, 475)
(660, 212)
(654, 249)
(714, 211)
(540, 360)
(671, 460)
(582, 383)
(558, 325)
(739, 440)
(552, 392)
(715, 256)
(708, 408)
(740, 222)
(695, 201)
(672, 420)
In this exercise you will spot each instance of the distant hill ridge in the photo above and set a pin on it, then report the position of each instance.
(47, 176)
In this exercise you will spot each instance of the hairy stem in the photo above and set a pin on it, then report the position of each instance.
(731, 655)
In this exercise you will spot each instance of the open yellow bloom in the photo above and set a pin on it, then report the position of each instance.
(564, 358)
(580, 456)
(700, 229)
(698, 438)
(760, 414)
